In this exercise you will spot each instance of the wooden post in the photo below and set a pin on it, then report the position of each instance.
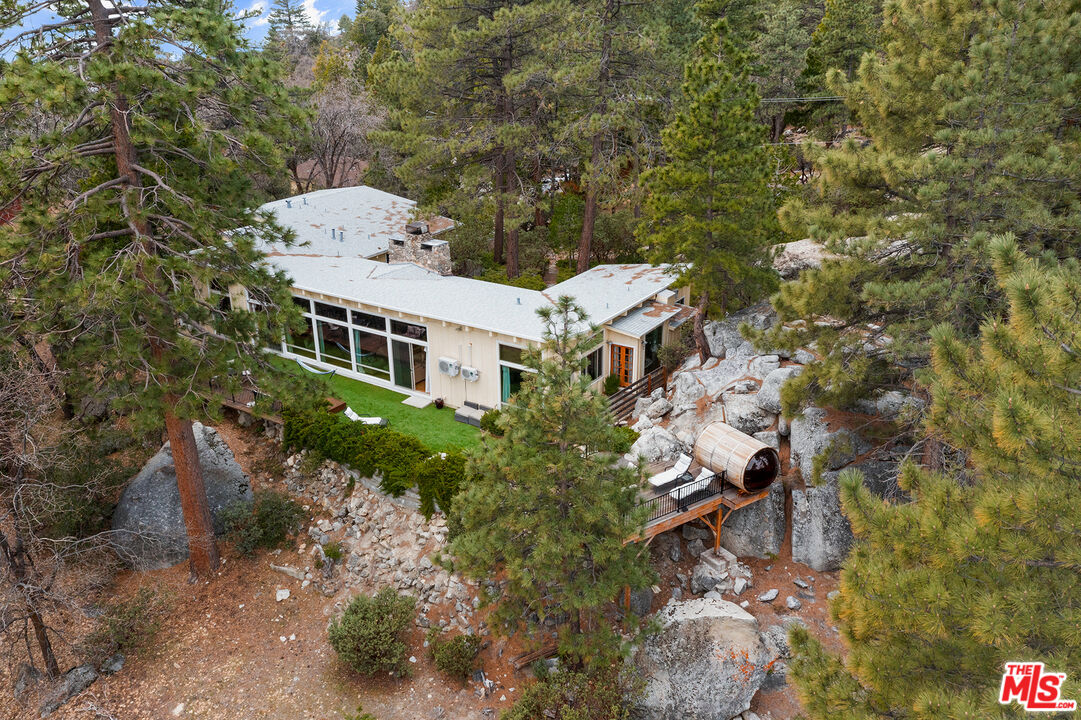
(717, 530)
(627, 597)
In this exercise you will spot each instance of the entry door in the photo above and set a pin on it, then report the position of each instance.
(623, 364)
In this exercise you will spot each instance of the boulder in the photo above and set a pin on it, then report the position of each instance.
(26, 678)
(642, 425)
(803, 357)
(769, 437)
(769, 395)
(790, 259)
(641, 602)
(879, 476)
(148, 521)
(658, 408)
(758, 529)
(743, 413)
(686, 390)
(640, 406)
(706, 662)
(655, 444)
(763, 365)
(809, 436)
(71, 683)
(821, 535)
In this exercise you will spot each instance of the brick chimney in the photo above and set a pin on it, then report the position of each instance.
(418, 246)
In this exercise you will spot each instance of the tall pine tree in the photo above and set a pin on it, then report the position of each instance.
(289, 27)
(710, 207)
(984, 565)
(971, 111)
(547, 511)
(136, 137)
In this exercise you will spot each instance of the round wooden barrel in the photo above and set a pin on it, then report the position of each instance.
(748, 463)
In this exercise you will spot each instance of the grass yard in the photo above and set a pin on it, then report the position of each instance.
(436, 428)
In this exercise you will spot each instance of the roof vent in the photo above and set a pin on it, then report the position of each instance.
(416, 228)
(341, 235)
(288, 203)
(519, 301)
(305, 199)
(332, 233)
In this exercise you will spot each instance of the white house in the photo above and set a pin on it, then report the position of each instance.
(382, 306)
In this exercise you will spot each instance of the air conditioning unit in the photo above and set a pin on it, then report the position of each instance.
(449, 366)
(471, 374)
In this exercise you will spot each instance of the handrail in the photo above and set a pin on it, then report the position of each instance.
(665, 504)
(621, 403)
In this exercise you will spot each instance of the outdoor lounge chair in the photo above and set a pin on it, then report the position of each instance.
(684, 494)
(352, 415)
(672, 473)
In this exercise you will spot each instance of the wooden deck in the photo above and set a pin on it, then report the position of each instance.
(719, 500)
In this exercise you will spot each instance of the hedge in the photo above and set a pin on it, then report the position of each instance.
(401, 460)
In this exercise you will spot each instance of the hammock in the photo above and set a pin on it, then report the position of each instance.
(312, 370)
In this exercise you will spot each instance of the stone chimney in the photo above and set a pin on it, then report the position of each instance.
(417, 246)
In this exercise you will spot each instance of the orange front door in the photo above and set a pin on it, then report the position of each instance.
(623, 363)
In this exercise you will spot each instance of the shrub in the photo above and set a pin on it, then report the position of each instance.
(611, 384)
(272, 518)
(672, 354)
(455, 655)
(369, 634)
(402, 460)
(126, 626)
(625, 438)
(333, 551)
(564, 695)
(527, 281)
(489, 422)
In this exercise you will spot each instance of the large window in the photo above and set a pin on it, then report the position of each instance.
(363, 342)
(511, 371)
(373, 356)
(652, 349)
(595, 363)
(302, 342)
(334, 344)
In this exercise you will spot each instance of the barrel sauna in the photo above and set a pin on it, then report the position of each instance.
(749, 464)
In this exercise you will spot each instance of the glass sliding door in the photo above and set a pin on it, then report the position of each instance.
(410, 365)
(334, 345)
(420, 368)
(373, 354)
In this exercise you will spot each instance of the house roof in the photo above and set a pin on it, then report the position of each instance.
(605, 292)
(354, 221)
(641, 320)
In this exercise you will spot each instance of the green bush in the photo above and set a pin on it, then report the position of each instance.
(369, 636)
(456, 655)
(271, 519)
(126, 626)
(402, 460)
(611, 384)
(489, 422)
(564, 695)
(672, 354)
(333, 551)
(626, 438)
(527, 281)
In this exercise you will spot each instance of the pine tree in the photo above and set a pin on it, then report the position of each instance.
(290, 27)
(472, 113)
(971, 115)
(780, 52)
(710, 208)
(983, 566)
(848, 31)
(546, 507)
(131, 164)
(372, 23)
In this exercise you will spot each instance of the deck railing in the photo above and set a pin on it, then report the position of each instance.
(621, 403)
(680, 498)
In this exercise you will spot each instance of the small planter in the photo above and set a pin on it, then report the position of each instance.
(439, 403)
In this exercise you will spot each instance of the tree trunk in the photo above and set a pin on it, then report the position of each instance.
(497, 244)
(203, 550)
(512, 253)
(17, 562)
(189, 474)
(777, 127)
(700, 341)
(589, 220)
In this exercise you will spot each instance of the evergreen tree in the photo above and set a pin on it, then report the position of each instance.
(780, 52)
(710, 208)
(371, 24)
(145, 160)
(608, 68)
(983, 566)
(547, 507)
(290, 27)
(971, 114)
(471, 113)
(848, 31)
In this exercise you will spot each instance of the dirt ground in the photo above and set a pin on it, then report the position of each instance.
(230, 650)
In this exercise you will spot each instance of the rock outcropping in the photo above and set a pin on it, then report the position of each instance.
(148, 521)
(706, 662)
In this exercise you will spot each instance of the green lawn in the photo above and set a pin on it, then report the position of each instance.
(436, 428)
